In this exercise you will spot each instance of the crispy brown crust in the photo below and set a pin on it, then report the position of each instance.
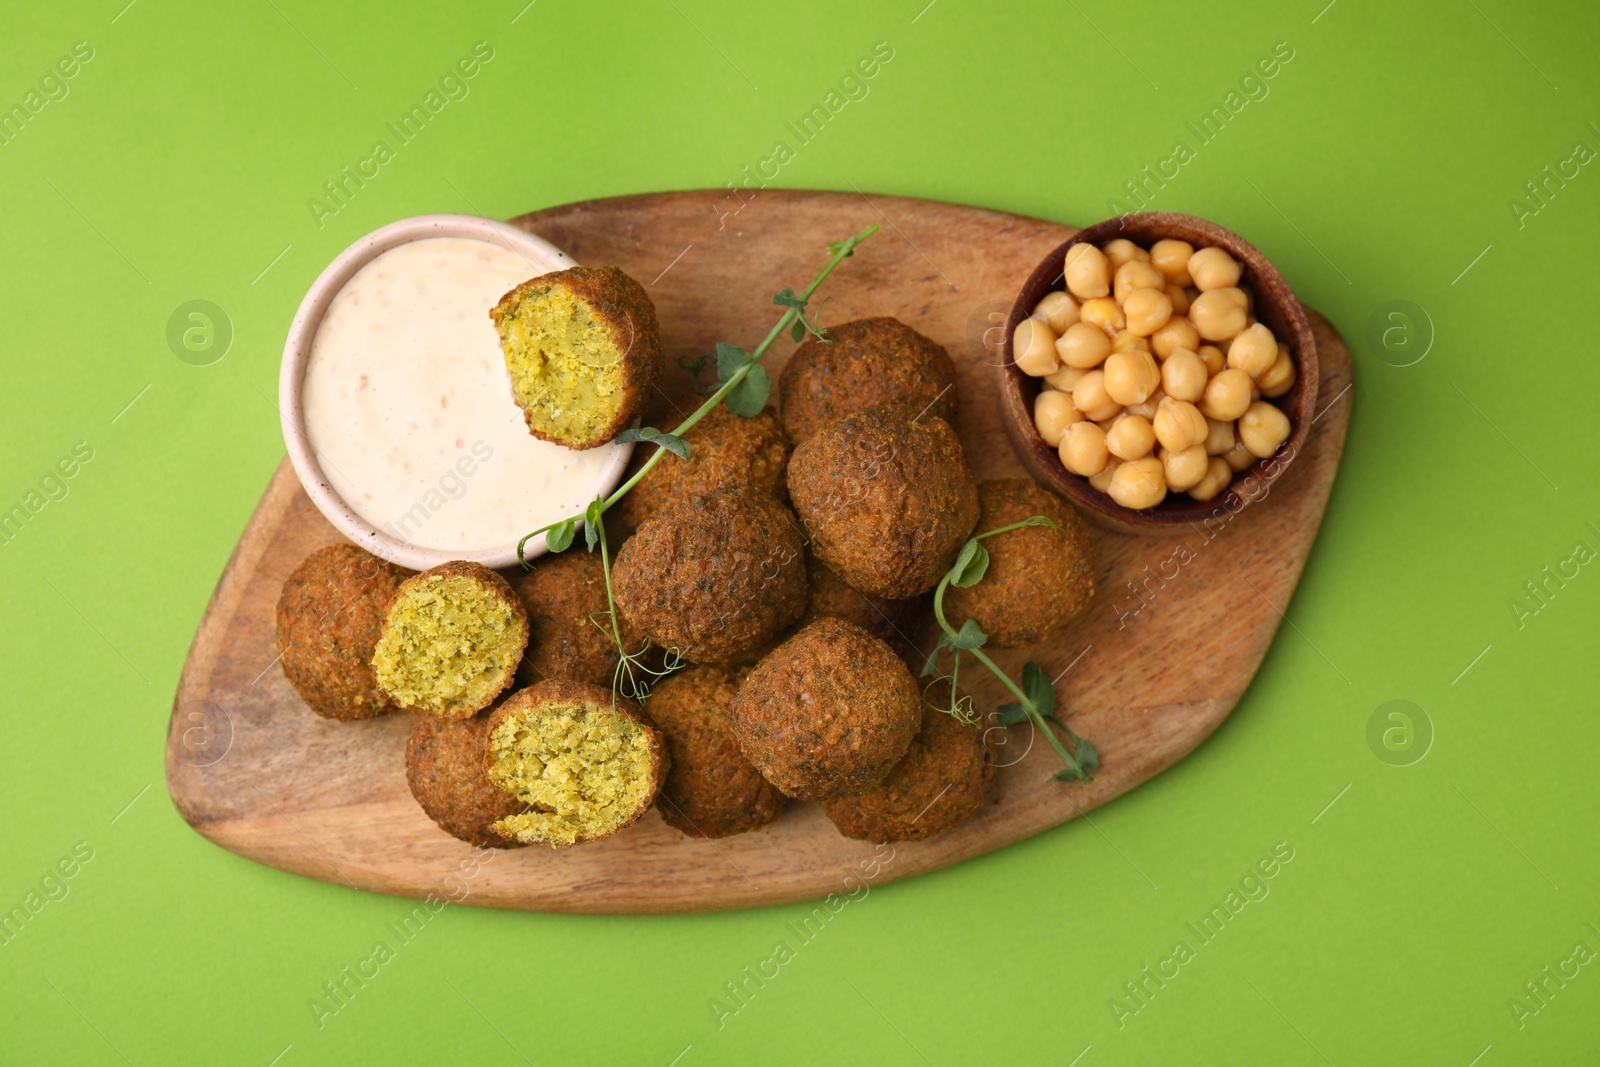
(714, 578)
(444, 768)
(943, 779)
(561, 593)
(564, 691)
(711, 790)
(871, 363)
(329, 616)
(622, 303)
(828, 713)
(492, 581)
(887, 501)
(1039, 579)
(725, 449)
(830, 595)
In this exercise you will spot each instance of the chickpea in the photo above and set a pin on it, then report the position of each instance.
(1278, 379)
(1131, 377)
(1083, 346)
(1183, 376)
(1091, 398)
(1058, 310)
(1148, 409)
(1123, 251)
(1130, 437)
(1238, 457)
(1102, 481)
(1065, 378)
(1262, 428)
(1139, 483)
(1218, 475)
(1213, 358)
(1103, 312)
(1219, 314)
(1227, 395)
(1127, 341)
(1135, 274)
(1219, 437)
(1171, 258)
(1184, 469)
(1180, 299)
(1033, 348)
(1052, 414)
(1178, 333)
(1083, 449)
(1179, 425)
(1147, 311)
(1254, 350)
(1212, 268)
(1088, 272)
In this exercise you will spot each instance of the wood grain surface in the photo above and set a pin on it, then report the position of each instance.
(1175, 634)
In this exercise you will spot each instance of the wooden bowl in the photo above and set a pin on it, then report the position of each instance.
(1275, 305)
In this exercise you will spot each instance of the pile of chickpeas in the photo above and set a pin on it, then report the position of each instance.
(1154, 371)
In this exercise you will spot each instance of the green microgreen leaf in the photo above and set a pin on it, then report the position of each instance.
(788, 299)
(696, 366)
(1011, 714)
(593, 516)
(1039, 689)
(652, 436)
(969, 636)
(730, 360)
(749, 397)
(1088, 755)
(798, 330)
(559, 539)
(971, 565)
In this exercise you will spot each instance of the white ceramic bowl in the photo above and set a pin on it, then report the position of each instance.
(542, 256)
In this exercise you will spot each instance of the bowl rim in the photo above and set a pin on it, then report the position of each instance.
(543, 256)
(1272, 293)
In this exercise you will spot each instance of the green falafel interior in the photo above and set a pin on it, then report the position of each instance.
(450, 644)
(584, 771)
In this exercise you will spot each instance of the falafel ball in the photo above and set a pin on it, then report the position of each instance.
(451, 640)
(830, 595)
(585, 764)
(583, 351)
(942, 780)
(724, 449)
(827, 713)
(888, 500)
(870, 363)
(714, 578)
(711, 790)
(1038, 579)
(444, 768)
(329, 615)
(561, 594)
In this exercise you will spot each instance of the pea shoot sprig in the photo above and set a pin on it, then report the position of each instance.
(1036, 698)
(744, 385)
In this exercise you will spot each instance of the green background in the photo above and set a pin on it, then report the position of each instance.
(1381, 167)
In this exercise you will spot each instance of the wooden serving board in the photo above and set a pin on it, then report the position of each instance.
(1174, 636)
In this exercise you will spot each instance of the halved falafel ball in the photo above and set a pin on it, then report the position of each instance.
(888, 500)
(1038, 579)
(444, 768)
(583, 351)
(870, 363)
(714, 578)
(329, 615)
(724, 449)
(562, 594)
(829, 595)
(943, 778)
(827, 713)
(585, 763)
(711, 790)
(451, 641)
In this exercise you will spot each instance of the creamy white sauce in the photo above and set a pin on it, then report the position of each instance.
(407, 404)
